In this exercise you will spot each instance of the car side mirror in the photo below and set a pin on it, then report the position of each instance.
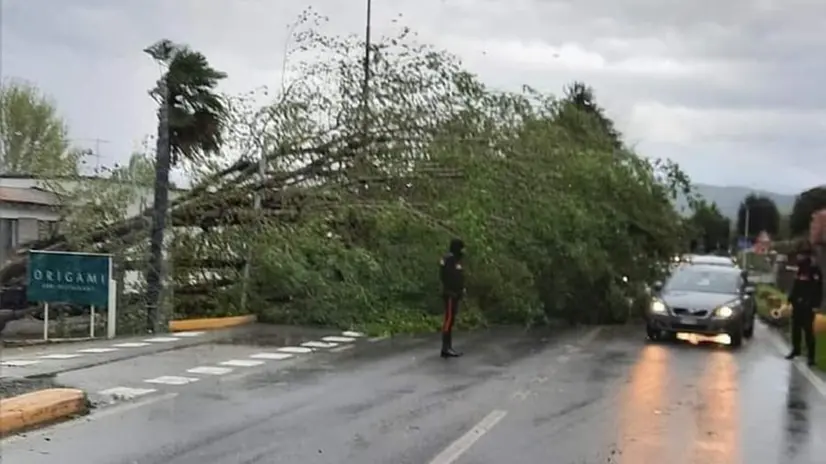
(657, 286)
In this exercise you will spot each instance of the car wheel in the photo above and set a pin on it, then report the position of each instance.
(749, 331)
(736, 336)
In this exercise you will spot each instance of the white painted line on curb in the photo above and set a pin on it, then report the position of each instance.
(273, 356)
(172, 380)
(336, 339)
(188, 334)
(18, 362)
(60, 356)
(350, 333)
(322, 345)
(801, 366)
(97, 350)
(295, 349)
(162, 339)
(242, 363)
(130, 345)
(209, 370)
(127, 393)
(460, 446)
(342, 348)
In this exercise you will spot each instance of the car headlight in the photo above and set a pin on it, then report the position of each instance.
(724, 312)
(658, 307)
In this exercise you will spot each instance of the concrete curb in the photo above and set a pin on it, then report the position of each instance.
(39, 408)
(185, 325)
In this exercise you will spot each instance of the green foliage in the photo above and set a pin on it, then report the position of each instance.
(763, 216)
(709, 227)
(805, 205)
(197, 113)
(33, 137)
(554, 208)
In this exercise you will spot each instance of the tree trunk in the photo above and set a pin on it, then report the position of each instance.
(154, 274)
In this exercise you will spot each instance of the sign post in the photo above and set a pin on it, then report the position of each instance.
(83, 279)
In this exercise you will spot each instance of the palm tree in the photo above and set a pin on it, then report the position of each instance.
(191, 119)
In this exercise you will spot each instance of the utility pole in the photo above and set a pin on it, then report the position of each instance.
(746, 233)
(262, 173)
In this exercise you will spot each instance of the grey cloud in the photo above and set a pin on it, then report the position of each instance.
(761, 58)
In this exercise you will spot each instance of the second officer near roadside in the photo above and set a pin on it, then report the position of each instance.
(805, 297)
(453, 288)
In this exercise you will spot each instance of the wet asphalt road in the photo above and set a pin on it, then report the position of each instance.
(575, 398)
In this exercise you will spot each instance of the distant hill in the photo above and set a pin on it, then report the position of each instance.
(728, 198)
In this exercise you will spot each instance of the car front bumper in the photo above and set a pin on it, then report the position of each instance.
(698, 325)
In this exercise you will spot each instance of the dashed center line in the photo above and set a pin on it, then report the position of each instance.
(209, 370)
(242, 363)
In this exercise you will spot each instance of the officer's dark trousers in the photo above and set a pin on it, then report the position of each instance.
(451, 310)
(803, 320)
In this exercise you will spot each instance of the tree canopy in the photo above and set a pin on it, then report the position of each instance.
(710, 228)
(33, 136)
(806, 203)
(763, 216)
(555, 209)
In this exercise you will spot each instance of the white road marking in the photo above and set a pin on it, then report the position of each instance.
(60, 356)
(336, 339)
(295, 349)
(460, 446)
(520, 395)
(242, 363)
(172, 380)
(342, 348)
(377, 339)
(130, 345)
(590, 336)
(188, 334)
(322, 345)
(273, 356)
(349, 333)
(18, 362)
(127, 393)
(97, 350)
(801, 366)
(162, 339)
(209, 370)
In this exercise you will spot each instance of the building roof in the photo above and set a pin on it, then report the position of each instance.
(28, 196)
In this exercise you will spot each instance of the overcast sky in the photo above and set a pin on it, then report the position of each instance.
(732, 90)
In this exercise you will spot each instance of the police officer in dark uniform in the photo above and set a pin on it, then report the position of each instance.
(805, 296)
(453, 288)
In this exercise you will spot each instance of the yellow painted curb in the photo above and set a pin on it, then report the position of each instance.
(183, 325)
(41, 407)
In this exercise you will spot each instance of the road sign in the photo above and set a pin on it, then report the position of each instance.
(743, 243)
(73, 278)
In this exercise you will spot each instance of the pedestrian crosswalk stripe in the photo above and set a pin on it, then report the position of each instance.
(319, 345)
(352, 334)
(209, 370)
(127, 393)
(60, 356)
(130, 345)
(242, 363)
(172, 380)
(188, 334)
(97, 350)
(273, 356)
(18, 362)
(162, 339)
(295, 349)
(336, 339)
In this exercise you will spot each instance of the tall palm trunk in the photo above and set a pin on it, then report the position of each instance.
(154, 275)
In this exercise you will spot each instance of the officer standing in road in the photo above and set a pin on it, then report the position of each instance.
(805, 296)
(453, 288)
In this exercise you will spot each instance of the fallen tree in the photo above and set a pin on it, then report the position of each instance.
(361, 192)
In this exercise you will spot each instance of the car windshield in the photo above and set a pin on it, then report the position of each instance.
(702, 280)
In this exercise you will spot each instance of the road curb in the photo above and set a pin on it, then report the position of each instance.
(185, 325)
(40, 408)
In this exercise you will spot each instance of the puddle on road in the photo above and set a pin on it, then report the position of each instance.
(275, 336)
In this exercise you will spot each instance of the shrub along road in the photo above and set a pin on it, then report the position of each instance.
(580, 396)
